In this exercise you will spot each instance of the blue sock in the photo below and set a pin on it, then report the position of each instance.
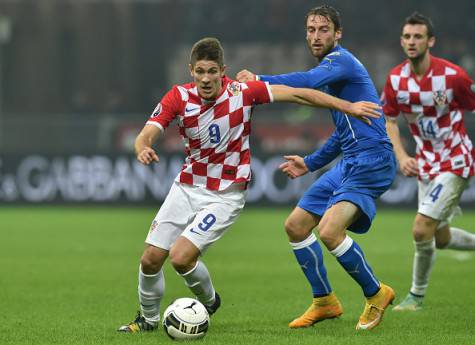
(309, 256)
(351, 257)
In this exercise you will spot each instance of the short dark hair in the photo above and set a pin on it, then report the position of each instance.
(418, 18)
(208, 48)
(328, 12)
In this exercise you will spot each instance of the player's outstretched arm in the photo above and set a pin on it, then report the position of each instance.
(294, 166)
(407, 164)
(143, 144)
(361, 110)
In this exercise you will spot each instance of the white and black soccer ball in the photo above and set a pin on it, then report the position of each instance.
(186, 319)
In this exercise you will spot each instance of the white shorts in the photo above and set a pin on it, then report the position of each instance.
(439, 198)
(199, 214)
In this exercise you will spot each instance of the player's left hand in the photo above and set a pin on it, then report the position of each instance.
(244, 76)
(364, 111)
(294, 166)
(147, 156)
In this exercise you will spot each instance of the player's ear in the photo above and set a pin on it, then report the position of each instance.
(338, 34)
(190, 67)
(431, 42)
(223, 70)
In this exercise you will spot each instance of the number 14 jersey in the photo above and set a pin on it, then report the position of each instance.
(215, 134)
(433, 107)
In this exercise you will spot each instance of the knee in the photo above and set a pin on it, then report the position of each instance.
(419, 234)
(150, 264)
(424, 228)
(331, 236)
(295, 230)
(181, 261)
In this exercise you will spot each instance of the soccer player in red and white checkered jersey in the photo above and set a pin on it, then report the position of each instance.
(431, 93)
(213, 114)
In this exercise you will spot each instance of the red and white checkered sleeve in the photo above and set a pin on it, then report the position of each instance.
(258, 92)
(465, 91)
(166, 110)
(389, 100)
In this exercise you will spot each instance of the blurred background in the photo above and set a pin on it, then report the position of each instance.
(79, 78)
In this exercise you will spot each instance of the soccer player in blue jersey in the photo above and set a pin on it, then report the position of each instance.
(344, 197)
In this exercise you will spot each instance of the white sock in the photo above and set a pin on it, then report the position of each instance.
(151, 289)
(199, 282)
(424, 258)
(461, 240)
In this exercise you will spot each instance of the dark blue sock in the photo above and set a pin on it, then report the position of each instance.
(351, 257)
(309, 256)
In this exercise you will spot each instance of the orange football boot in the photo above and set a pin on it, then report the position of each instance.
(322, 308)
(374, 308)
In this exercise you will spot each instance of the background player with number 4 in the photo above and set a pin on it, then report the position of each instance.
(431, 93)
(213, 115)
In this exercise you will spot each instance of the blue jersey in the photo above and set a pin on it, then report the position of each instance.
(342, 75)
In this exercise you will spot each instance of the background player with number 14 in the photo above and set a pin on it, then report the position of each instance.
(431, 93)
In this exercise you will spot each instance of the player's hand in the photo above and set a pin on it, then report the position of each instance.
(364, 110)
(244, 76)
(147, 156)
(408, 166)
(294, 167)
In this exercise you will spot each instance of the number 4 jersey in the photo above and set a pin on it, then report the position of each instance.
(215, 134)
(433, 107)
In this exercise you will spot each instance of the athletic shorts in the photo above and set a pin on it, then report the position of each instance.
(439, 198)
(199, 214)
(359, 180)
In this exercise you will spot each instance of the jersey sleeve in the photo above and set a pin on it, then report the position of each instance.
(328, 152)
(257, 92)
(465, 91)
(332, 69)
(166, 110)
(389, 100)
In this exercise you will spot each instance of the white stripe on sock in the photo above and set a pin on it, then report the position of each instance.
(327, 290)
(342, 247)
(190, 271)
(366, 267)
(305, 243)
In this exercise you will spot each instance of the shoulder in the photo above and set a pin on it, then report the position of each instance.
(452, 74)
(336, 61)
(234, 87)
(401, 71)
(346, 62)
(445, 67)
(438, 62)
(345, 56)
(184, 91)
(252, 92)
(340, 56)
(178, 96)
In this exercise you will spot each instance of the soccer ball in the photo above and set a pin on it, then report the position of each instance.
(186, 319)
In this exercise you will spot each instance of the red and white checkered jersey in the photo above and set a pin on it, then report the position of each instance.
(433, 107)
(215, 134)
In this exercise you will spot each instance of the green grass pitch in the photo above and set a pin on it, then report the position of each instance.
(69, 276)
